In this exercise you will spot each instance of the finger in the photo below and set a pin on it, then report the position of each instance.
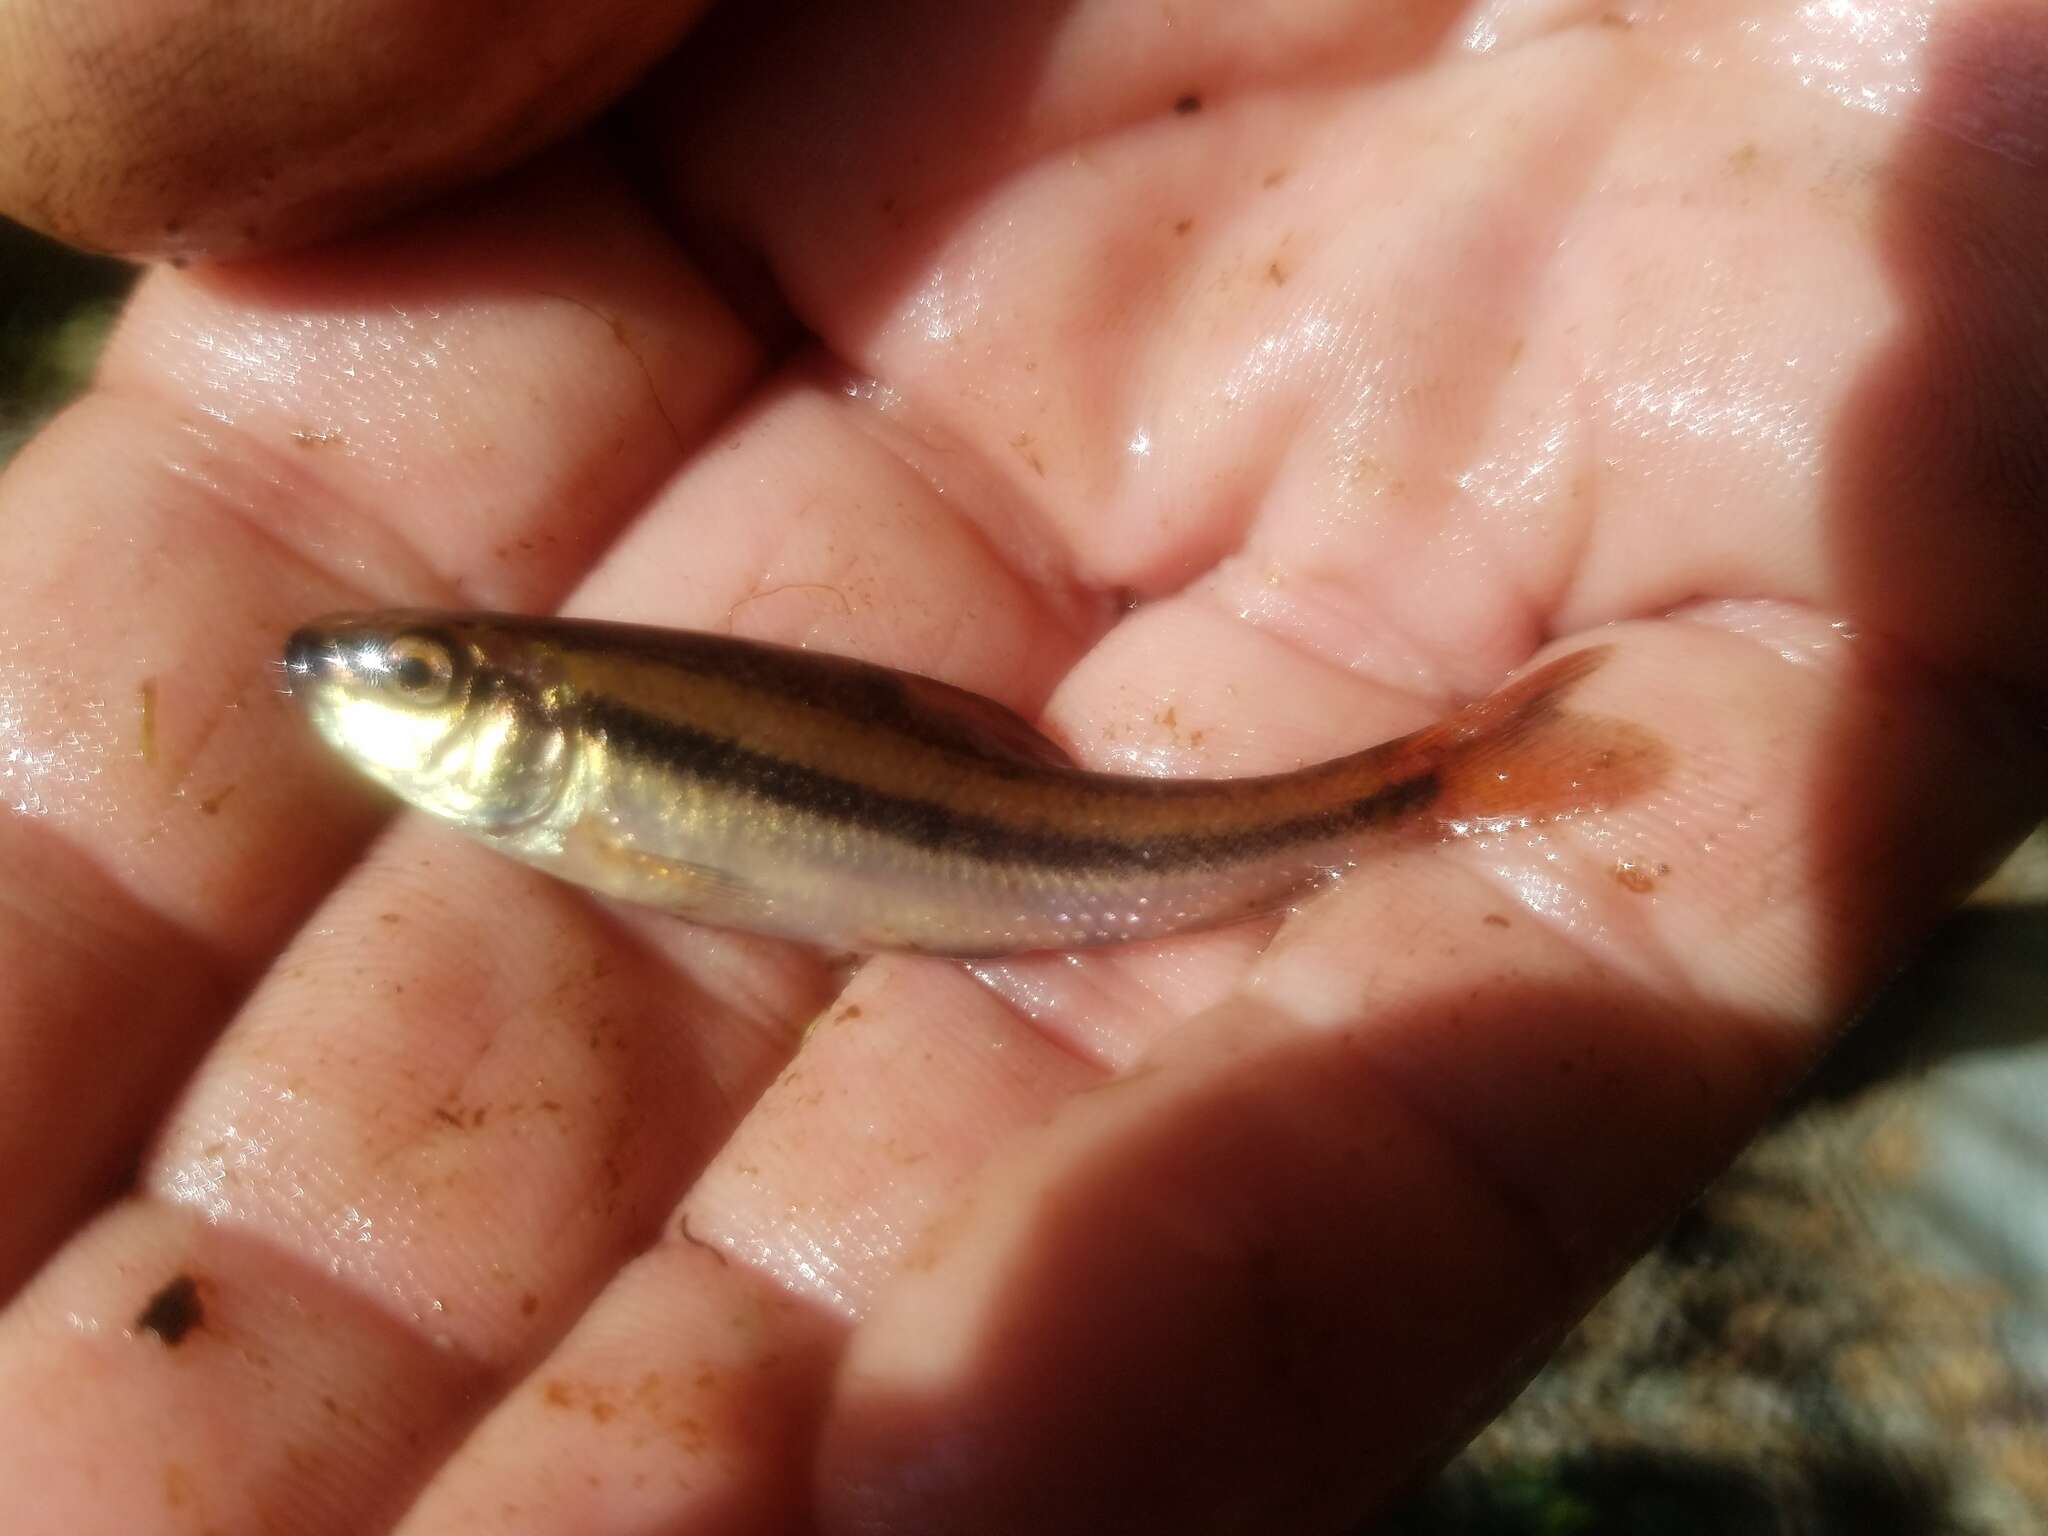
(157, 129)
(687, 1396)
(685, 1401)
(803, 525)
(245, 453)
(1275, 1268)
(129, 1314)
(826, 520)
(844, 1157)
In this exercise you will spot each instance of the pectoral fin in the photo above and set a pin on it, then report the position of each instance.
(697, 891)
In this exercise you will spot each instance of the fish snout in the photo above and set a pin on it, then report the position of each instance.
(310, 655)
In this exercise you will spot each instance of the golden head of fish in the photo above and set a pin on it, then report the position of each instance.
(459, 717)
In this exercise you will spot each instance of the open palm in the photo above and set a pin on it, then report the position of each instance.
(1226, 387)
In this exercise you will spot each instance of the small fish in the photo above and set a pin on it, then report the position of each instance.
(821, 798)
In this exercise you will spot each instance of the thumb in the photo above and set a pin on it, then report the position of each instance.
(1325, 1226)
(152, 127)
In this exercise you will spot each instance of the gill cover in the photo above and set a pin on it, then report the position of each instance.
(453, 718)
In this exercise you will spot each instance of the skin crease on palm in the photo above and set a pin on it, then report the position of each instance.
(1224, 386)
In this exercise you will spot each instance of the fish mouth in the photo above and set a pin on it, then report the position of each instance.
(315, 659)
(308, 654)
(319, 650)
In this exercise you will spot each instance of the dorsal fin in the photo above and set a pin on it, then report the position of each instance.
(968, 721)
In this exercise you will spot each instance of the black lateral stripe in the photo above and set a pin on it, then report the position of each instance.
(925, 824)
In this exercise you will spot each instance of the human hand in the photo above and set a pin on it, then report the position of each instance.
(1227, 387)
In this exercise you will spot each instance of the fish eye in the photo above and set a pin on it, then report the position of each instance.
(420, 667)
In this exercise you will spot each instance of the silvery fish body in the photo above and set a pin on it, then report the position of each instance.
(826, 799)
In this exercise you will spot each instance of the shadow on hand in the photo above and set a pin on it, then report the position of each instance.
(1937, 515)
(1266, 1279)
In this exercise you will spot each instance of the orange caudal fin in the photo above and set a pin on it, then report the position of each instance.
(1519, 756)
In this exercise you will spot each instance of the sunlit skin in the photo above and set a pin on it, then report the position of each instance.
(1216, 388)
